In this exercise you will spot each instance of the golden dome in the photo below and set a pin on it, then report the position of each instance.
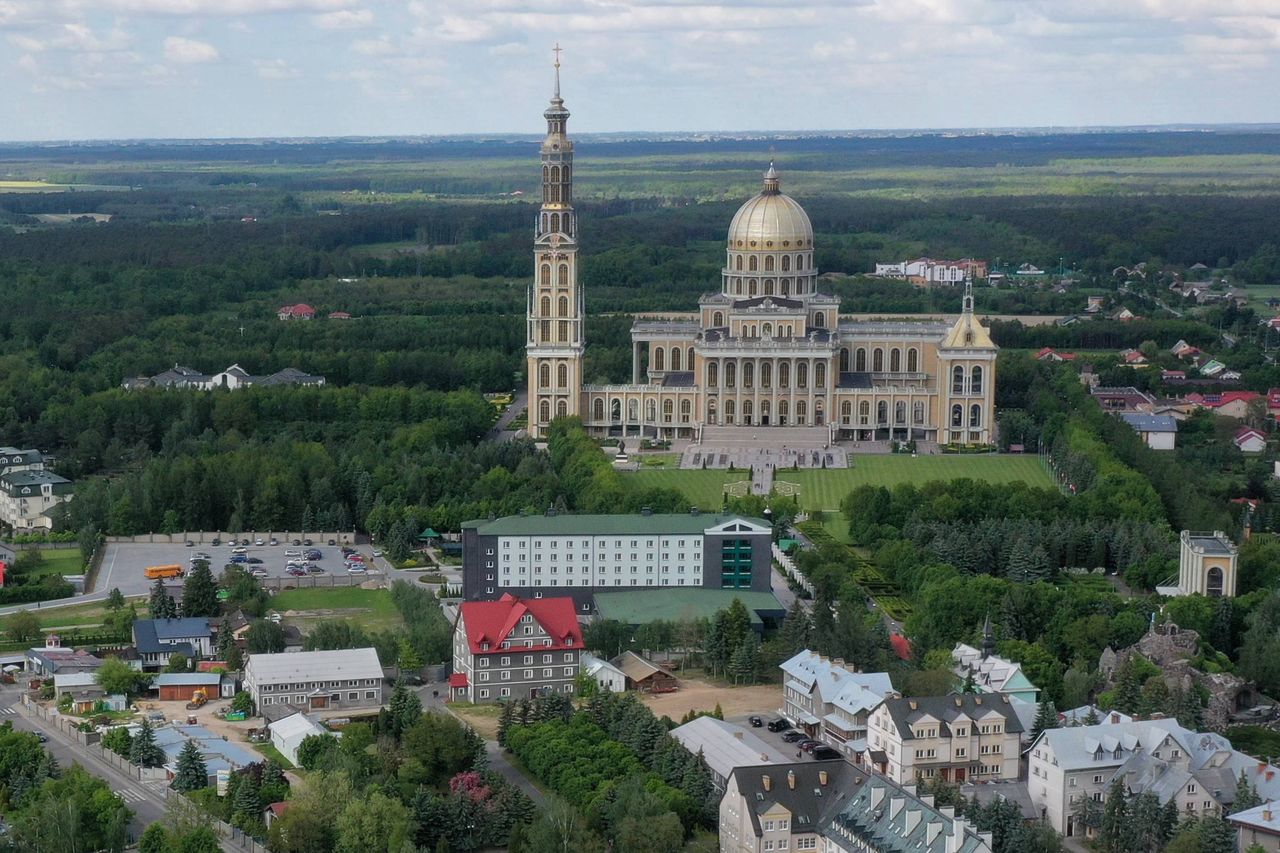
(770, 221)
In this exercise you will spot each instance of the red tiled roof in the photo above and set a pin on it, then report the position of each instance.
(208, 665)
(458, 679)
(278, 809)
(1248, 432)
(492, 621)
(300, 308)
(1213, 401)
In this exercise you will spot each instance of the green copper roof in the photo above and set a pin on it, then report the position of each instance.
(679, 604)
(658, 524)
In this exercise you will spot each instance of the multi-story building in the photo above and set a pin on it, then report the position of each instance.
(578, 555)
(515, 648)
(339, 679)
(1200, 770)
(28, 491)
(960, 738)
(834, 806)
(1257, 828)
(766, 350)
(829, 701)
(1206, 564)
(933, 270)
(159, 639)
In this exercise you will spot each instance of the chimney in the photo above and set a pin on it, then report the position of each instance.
(767, 782)
(977, 700)
(911, 703)
(822, 777)
(1266, 815)
(791, 779)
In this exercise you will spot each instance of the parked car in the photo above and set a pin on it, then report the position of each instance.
(778, 725)
(377, 553)
(356, 569)
(297, 542)
(238, 550)
(259, 573)
(793, 736)
(755, 722)
(42, 737)
(347, 550)
(331, 542)
(313, 554)
(825, 753)
(254, 560)
(274, 542)
(275, 617)
(239, 558)
(315, 570)
(306, 541)
(294, 571)
(217, 542)
(244, 541)
(289, 553)
(191, 543)
(259, 542)
(809, 745)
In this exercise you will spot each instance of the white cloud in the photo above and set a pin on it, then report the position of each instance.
(188, 51)
(275, 69)
(344, 19)
(204, 7)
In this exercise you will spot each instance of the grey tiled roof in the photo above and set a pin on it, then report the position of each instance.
(970, 706)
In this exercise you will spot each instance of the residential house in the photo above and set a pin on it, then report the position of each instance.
(1132, 358)
(1273, 401)
(340, 679)
(1094, 304)
(1257, 828)
(603, 673)
(1166, 375)
(231, 379)
(339, 315)
(1159, 432)
(1249, 440)
(1212, 368)
(301, 311)
(1080, 716)
(1122, 314)
(288, 733)
(727, 746)
(1231, 404)
(1050, 354)
(933, 270)
(836, 807)
(515, 648)
(830, 701)
(974, 736)
(53, 658)
(86, 696)
(984, 671)
(645, 675)
(159, 639)
(1120, 398)
(218, 753)
(1184, 350)
(1028, 270)
(1198, 770)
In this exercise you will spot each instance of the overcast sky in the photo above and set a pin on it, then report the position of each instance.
(213, 68)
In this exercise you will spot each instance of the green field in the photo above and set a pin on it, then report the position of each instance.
(825, 489)
(62, 561)
(370, 608)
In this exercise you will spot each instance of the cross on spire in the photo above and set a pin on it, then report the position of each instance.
(556, 50)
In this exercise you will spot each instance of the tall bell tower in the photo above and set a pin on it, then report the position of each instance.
(555, 342)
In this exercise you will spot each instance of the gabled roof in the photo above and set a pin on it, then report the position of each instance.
(491, 622)
(905, 711)
(992, 672)
(168, 636)
(192, 679)
(835, 684)
(725, 746)
(341, 664)
(1150, 423)
(1246, 434)
(636, 668)
(968, 333)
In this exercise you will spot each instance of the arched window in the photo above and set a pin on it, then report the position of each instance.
(737, 263)
(544, 411)
(562, 409)
(597, 409)
(737, 286)
(900, 412)
(676, 354)
(748, 374)
(864, 413)
(802, 376)
(784, 375)
(555, 193)
(633, 411)
(555, 174)
(844, 360)
(766, 375)
(975, 382)
(820, 375)
(783, 411)
(717, 320)
(895, 360)
(564, 306)
(799, 262)
(860, 360)
(975, 416)
(802, 412)
(728, 411)
(820, 320)
(546, 274)
(730, 376)
(913, 360)
(882, 413)
(846, 412)
(768, 287)
(1213, 583)
(957, 415)
(564, 275)
(753, 264)
(546, 174)
(668, 409)
(562, 376)
(615, 411)
(688, 361)
(877, 360)
(546, 306)
(651, 412)
(544, 375)
(768, 263)
(767, 330)
(751, 285)
(555, 222)
(711, 411)
(747, 411)
(819, 413)
(917, 412)
(957, 380)
(713, 375)
(786, 287)
(659, 359)
(786, 263)
(686, 409)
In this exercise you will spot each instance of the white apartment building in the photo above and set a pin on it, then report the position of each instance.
(28, 492)
(960, 738)
(829, 701)
(1198, 769)
(835, 807)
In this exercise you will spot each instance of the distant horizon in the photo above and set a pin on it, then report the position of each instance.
(681, 135)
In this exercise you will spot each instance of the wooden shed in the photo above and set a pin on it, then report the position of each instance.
(645, 675)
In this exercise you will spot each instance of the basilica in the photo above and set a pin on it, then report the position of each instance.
(766, 350)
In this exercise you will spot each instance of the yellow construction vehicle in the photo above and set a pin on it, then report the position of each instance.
(198, 698)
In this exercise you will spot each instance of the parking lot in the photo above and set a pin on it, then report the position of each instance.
(124, 563)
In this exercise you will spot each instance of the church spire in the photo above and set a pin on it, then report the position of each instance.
(771, 180)
(556, 95)
(967, 306)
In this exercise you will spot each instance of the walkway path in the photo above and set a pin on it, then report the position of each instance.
(499, 431)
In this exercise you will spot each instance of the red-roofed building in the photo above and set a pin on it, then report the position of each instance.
(301, 311)
(1050, 354)
(1273, 400)
(273, 813)
(1250, 440)
(515, 648)
(1232, 404)
(339, 315)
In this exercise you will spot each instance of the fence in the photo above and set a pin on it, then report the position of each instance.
(206, 537)
(92, 743)
(789, 570)
(228, 833)
(369, 580)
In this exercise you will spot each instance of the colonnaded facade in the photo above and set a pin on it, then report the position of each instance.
(767, 350)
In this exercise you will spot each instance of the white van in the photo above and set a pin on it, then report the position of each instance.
(239, 549)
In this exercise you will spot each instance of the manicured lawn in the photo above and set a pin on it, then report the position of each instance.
(271, 752)
(825, 489)
(371, 608)
(63, 561)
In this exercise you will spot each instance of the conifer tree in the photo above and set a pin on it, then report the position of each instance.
(405, 709)
(1091, 718)
(505, 720)
(794, 636)
(1046, 718)
(191, 774)
(160, 604)
(200, 592)
(1114, 832)
(246, 807)
(143, 751)
(1246, 795)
